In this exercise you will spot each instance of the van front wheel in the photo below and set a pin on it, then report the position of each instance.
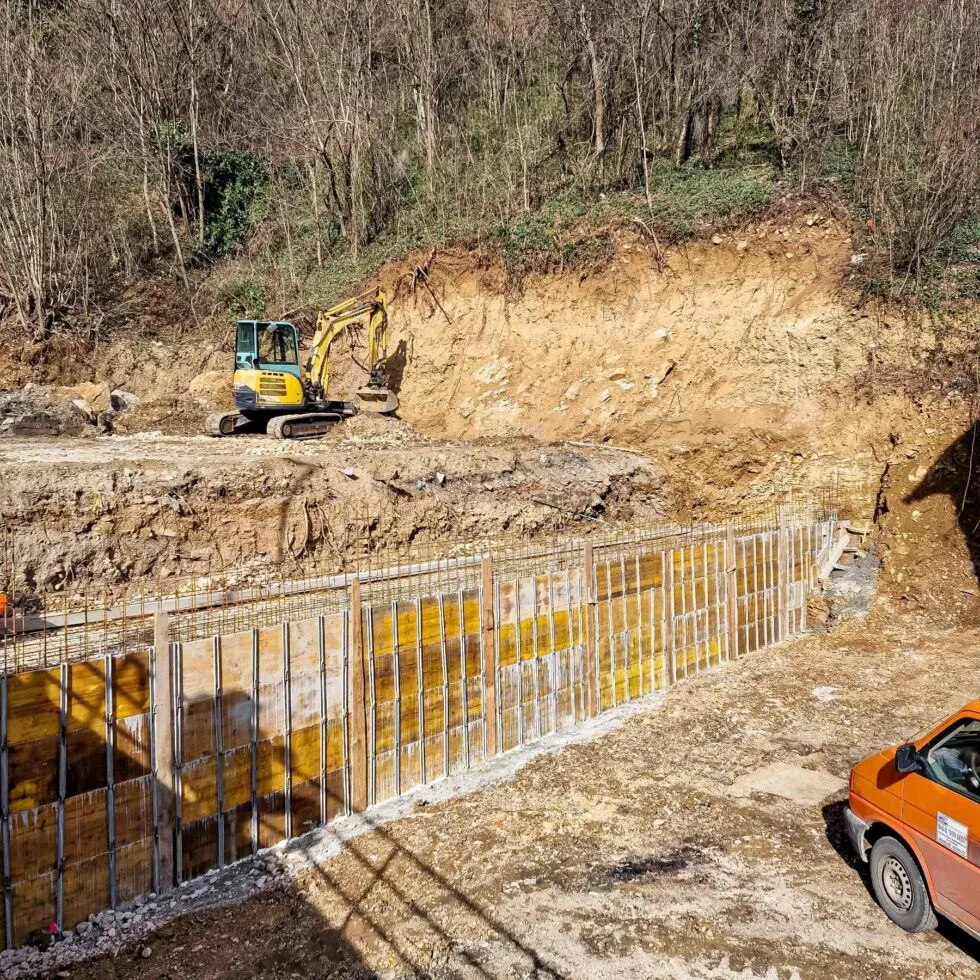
(899, 886)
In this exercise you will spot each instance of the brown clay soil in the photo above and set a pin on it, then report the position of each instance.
(653, 850)
(117, 509)
(742, 370)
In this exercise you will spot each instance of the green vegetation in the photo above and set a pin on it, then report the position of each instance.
(246, 301)
(235, 199)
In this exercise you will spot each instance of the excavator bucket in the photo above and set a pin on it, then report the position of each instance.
(379, 401)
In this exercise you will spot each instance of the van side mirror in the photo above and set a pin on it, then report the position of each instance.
(907, 759)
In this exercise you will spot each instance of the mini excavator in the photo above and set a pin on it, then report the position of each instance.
(273, 394)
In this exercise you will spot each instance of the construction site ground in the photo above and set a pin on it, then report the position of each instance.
(702, 837)
(699, 837)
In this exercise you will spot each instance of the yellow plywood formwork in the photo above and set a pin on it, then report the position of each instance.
(280, 729)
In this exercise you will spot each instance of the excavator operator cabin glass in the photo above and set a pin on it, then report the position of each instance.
(277, 345)
(245, 349)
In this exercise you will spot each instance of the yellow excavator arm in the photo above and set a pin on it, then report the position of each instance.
(331, 323)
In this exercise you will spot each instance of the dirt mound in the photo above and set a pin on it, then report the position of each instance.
(120, 509)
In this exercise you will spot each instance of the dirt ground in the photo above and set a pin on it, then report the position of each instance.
(673, 845)
(112, 510)
(707, 383)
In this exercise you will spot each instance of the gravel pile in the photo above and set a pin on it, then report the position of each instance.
(136, 924)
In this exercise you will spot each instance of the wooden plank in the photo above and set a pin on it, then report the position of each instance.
(489, 657)
(358, 704)
(131, 687)
(164, 763)
(33, 701)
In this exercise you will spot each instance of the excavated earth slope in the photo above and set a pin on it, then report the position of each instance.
(731, 373)
(116, 508)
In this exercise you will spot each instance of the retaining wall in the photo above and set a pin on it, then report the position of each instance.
(130, 773)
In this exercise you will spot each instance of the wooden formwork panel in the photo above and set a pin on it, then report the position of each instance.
(411, 765)
(238, 831)
(273, 693)
(237, 776)
(133, 803)
(199, 790)
(434, 750)
(33, 771)
(131, 748)
(33, 844)
(134, 868)
(86, 849)
(275, 697)
(86, 888)
(33, 706)
(34, 904)
(272, 818)
(199, 845)
(304, 797)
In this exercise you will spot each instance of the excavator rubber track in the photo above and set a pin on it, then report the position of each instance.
(220, 424)
(302, 426)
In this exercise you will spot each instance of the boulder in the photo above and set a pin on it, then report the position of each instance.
(91, 397)
(123, 401)
(36, 410)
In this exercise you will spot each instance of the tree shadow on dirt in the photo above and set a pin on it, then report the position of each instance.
(374, 893)
(403, 882)
(956, 474)
(836, 833)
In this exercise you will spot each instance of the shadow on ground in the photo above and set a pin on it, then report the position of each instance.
(956, 474)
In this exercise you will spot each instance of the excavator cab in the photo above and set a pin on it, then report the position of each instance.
(267, 367)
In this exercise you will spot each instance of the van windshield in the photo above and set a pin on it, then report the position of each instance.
(954, 759)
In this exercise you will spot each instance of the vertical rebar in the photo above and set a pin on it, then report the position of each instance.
(178, 694)
(110, 746)
(287, 708)
(8, 892)
(345, 718)
(322, 676)
(464, 693)
(219, 751)
(62, 792)
(445, 684)
(254, 743)
(420, 688)
(396, 673)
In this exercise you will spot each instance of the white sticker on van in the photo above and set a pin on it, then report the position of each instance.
(953, 835)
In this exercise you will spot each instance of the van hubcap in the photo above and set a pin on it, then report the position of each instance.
(898, 887)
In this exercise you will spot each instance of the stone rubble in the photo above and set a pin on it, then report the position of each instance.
(133, 925)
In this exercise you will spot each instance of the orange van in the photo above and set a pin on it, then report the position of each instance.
(914, 816)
